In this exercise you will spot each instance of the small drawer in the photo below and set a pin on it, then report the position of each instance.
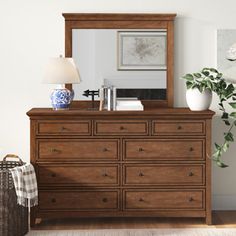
(118, 127)
(78, 174)
(64, 128)
(164, 149)
(78, 200)
(178, 127)
(164, 174)
(81, 149)
(164, 199)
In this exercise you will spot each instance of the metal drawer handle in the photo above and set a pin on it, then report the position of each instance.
(179, 127)
(54, 150)
(190, 173)
(53, 200)
(141, 199)
(140, 149)
(104, 199)
(53, 175)
(105, 149)
(191, 149)
(63, 128)
(122, 128)
(141, 174)
(105, 175)
(190, 199)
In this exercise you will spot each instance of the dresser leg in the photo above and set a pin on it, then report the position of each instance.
(209, 219)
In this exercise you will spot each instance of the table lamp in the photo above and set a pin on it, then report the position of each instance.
(61, 71)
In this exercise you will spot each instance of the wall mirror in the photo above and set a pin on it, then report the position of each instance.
(133, 52)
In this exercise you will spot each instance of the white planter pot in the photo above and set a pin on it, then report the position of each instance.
(198, 101)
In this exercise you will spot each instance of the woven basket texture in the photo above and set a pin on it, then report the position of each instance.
(13, 217)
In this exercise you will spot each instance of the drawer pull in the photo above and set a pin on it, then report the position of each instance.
(140, 149)
(190, 173)
(190, 199)
(54, 150)
(53, 175)
(141, 174)
(63, 128)
(141, 199)
(191, 149)
(105, 150)
(53, 200)
(104, 199)
(122, 128)
(105, 175)
(179, 127)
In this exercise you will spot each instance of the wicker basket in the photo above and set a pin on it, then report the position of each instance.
(13, 217)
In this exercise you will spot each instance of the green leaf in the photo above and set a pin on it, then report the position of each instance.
(206, 73)
(188, 77)
(221, 164)
(218, 153)
(214, 70)
(229, 137)
(225, 115)
(225, 146)
(233, 114)
(232, 104)
(189, 84)
(198, 75)
(217, 146)
(226, 122)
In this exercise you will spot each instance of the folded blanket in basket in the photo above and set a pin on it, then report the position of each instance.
(25, 183)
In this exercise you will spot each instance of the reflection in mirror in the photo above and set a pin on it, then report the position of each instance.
(95, 52)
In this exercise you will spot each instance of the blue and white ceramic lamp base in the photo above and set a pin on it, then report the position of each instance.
(61, 98)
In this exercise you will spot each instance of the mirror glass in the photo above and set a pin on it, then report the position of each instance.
(97, 54)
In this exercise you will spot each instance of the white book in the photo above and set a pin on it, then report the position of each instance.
(135, 108)
(129, 103)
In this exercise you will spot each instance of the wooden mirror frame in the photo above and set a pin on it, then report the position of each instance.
(126, 21)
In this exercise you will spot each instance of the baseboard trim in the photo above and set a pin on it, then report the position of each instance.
(224, 202)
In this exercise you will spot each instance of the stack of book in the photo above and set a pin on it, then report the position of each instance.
(128, 104)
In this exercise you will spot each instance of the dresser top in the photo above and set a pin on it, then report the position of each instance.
(182, 112)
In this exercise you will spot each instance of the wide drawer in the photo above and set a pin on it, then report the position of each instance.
(78, 174)
(180, 127)
(78, 200)
(118, 127)
(164, 149)
(83, 149)
(163, 199)
(164, 174)
(64, 128)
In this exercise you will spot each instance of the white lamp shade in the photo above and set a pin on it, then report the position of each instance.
(230, 74)
(61, 70)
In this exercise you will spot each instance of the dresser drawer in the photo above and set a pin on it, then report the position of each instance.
(78, 200)
(164, 199)
(164, 174)
(178, 127)
(164, 149)
(119, 127)
(78, 174)
(64, 128)
(83, 149)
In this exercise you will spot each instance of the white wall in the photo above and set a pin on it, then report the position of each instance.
(33, 30)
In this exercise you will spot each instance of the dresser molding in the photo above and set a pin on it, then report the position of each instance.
(149, 163)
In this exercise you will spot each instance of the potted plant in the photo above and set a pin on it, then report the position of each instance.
(206, 81)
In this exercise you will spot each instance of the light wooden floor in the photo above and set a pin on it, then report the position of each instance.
(221, 219)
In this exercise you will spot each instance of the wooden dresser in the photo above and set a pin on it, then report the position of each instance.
(110, 164)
